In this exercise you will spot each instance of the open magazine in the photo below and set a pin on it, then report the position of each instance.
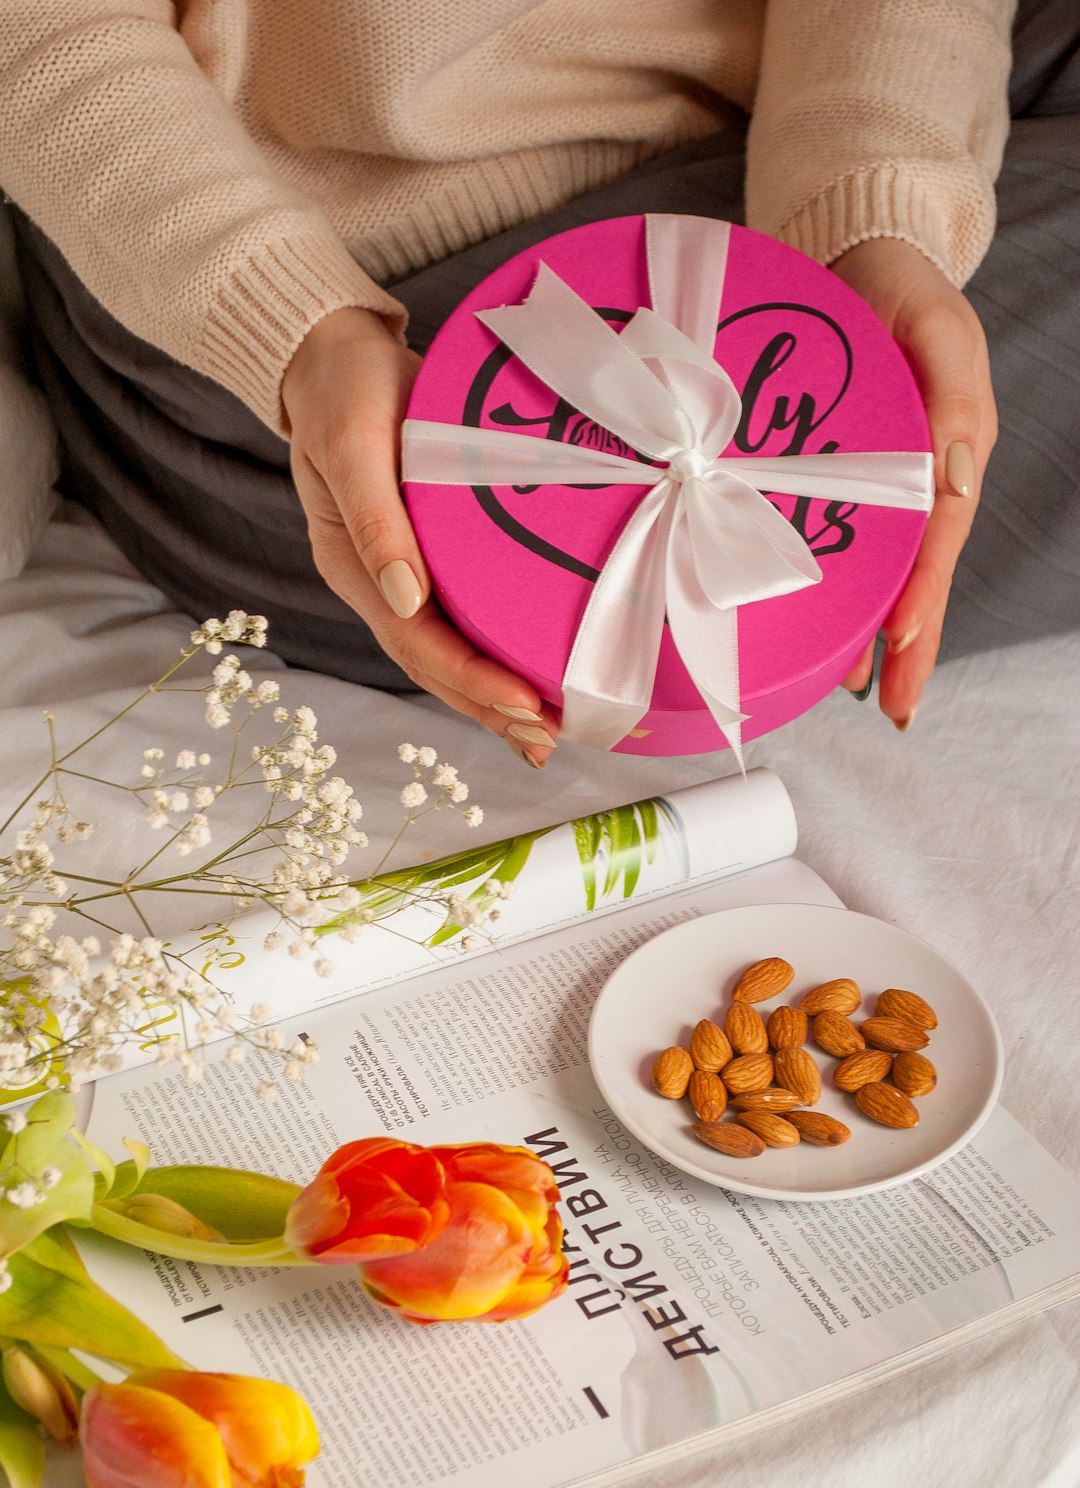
(692, 1313)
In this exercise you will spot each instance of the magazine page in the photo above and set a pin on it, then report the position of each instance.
(558, 874)
(690, 1310)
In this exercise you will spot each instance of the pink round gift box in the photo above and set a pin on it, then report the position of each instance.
(817, 371)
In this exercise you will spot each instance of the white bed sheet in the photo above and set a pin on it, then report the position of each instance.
(965, 830)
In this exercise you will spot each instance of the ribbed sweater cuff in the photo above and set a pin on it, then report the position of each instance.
(884, 202)
(266, 308)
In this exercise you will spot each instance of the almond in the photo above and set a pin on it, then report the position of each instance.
(773, 1130)
(671, 1072)
(745, 1028)
(748, 1072)
(787, 1028)
(837, 1035)
(896, 1003)
(729, 1138)
(773, 1099)
(839, 996)
(708, 1095)
(913, 1074)
(763, 980)
(796, 1071)
(709, 1048)
(893, 1034)
(887, 1105)
(861, 1069)
(819, 1129)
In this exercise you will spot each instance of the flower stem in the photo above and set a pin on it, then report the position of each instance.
(272, 1252)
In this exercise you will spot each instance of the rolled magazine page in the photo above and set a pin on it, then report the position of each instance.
(557, 875)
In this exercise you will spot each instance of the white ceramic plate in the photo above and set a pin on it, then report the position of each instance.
(660, 992)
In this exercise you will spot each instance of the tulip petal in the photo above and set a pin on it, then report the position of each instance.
(503, 1167)
(370, 1199)
(137, 1438)
(468, 1268)
(266, 1429)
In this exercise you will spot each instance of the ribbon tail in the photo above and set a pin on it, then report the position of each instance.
(609, 677)
(706, 638)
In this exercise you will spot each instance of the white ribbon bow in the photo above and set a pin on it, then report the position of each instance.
(704, 540)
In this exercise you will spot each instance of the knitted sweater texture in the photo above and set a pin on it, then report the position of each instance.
(223, 173)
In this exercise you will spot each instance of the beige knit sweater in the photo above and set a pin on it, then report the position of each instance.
(223, 173)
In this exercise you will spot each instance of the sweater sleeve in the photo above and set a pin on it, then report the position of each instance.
(881, 118)
(134, 163)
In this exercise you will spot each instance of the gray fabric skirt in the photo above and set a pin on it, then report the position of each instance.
(197, 491)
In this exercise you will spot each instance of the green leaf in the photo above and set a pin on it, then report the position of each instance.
(73, 1369)
(22, 1447)
(45, 1142)
(585, 842)
(650, 826)
(49, 1306)
(55, 1250)
(242, 1206)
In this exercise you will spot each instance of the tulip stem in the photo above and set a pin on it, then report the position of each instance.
(272, 1252)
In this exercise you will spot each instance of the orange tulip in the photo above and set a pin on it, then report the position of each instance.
(492, 1250)
(174, 1428)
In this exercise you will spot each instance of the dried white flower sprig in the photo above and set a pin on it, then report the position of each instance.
(75, 987)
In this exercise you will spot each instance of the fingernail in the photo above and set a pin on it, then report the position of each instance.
(864, 692)
(895, 647)
(903, 724)
(526, 714)
(523, 754)
(401, 588)
(530, 734)
(960, 468)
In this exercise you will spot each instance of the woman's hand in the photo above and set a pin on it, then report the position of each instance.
(941, 337)
(345, 393)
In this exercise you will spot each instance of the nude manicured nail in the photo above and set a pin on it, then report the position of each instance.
(401, 588)
(895, 647)
(524, 755)
(903, 724)
(960, 468)
(525, 714)
(529, 733)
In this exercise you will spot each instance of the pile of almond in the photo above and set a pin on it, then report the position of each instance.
(759, 1074)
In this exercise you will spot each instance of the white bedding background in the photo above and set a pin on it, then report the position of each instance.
(965, 831)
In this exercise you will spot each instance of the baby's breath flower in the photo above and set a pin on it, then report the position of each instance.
(413, 794)
(407, 753)
(185, 760)
(15, 1122)
(266, 1090)
(324, 968)
(474, 816)
(426, 756)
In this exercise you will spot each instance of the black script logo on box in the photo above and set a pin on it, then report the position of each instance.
(784, 411)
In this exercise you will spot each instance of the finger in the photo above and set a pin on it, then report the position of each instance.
(359, 467)
(440, 659)
(859, 678)
(945, 348)
(532, 754)
(904, 674)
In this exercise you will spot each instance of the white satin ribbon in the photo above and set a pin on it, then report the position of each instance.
(704, 540)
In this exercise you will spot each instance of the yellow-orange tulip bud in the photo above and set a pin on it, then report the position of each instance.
(167, 1428)
(35, 1384)
(491, 1246)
